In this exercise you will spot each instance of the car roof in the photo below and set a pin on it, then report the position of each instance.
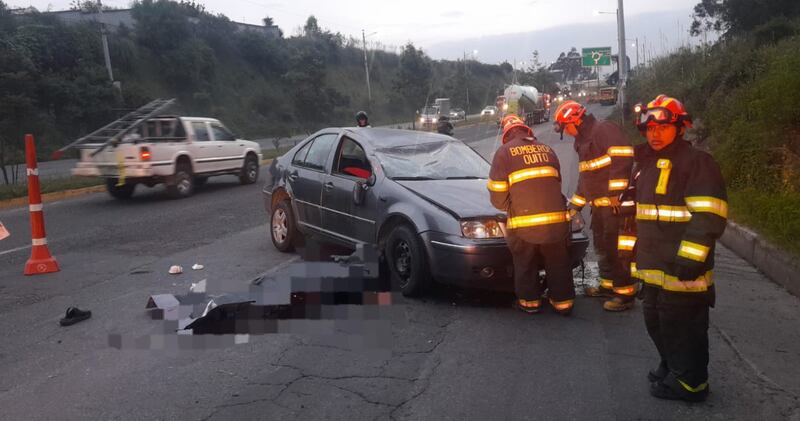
(389, 138)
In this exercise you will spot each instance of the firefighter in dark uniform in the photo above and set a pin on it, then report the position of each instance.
(606, 156)
(681, 210)
(525, 182)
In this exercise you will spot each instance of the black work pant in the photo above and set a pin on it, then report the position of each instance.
(615, 272)
(529, 258)
(678, 325)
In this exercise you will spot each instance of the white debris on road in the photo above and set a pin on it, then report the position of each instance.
(197, 266)
(175, 270)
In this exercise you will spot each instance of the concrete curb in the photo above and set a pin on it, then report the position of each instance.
(782, 267)
(52, 197)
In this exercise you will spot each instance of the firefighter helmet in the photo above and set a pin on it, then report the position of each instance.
(569, 112)
(663, 110)
(362, 116)
(510, 122)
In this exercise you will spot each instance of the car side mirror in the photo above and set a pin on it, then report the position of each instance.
(371, 179)
(360, 192)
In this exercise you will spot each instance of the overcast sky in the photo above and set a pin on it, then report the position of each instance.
(423, 22)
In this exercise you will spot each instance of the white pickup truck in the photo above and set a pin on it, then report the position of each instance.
(181, 152)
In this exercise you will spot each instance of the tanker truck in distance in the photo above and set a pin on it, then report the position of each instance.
(526, 102)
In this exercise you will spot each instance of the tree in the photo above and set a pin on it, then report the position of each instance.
(268, 21)
(311, 27)
(735, 17)
(412, 84)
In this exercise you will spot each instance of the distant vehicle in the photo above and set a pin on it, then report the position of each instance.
(457, 114)
(608, 95)
(420, 198)
(430, 114)
(182, 152)
(526, 102)
(489, 110)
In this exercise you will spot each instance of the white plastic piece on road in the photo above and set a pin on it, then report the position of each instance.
(197, 266)
(199, 287)
(175, 270)
(4, 232)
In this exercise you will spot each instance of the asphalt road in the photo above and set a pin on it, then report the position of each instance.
(456, 354)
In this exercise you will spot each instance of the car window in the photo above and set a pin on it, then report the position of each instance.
(200, 131)
(300, 156)
(317, 152)
(433, 160)
(352, 160)
(221, 133)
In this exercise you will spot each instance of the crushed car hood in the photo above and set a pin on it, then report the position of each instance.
(465, 198)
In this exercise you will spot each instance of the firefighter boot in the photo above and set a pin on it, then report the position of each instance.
(529, 306)
(673, 389)
(617, 304)
(658, 374)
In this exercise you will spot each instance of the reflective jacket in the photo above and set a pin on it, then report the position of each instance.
(606, 157)
(525, 181)
(681, 210)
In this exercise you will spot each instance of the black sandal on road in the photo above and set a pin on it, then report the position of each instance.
(75, 315)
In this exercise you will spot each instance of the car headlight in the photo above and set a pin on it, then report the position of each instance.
(434, 120)
(477, 228)
(422, 119)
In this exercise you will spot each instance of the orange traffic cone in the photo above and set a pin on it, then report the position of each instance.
(41, 261)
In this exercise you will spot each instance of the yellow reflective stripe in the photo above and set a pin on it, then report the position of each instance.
(529, 173)
(671, 283)
(662, 213)
(594, 164)
(626, 242)
(577, 200)
(707, 204)
(529, 303)
(620, 151)
(497, 186)
(693, 251)
(606, 283)
(663, 178)
(619, 184)
(629, 290)
(602, 201)
(697, 389)
(561, 305)
(538, 219)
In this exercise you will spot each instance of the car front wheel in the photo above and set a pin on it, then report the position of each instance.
(408, 266)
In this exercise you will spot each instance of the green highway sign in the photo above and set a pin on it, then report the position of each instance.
(600, 56)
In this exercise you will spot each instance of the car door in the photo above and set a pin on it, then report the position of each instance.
(205, 149)
(230, 150)
(305, 177)
(340, 215)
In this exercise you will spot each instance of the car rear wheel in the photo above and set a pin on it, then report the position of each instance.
(250, 169)
(181, 184)
(408, 266)
(283, 230)
(119, 192)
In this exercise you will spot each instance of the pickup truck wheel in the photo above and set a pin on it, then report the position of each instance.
(408, 266)
(119, 192)
(283, 230)
(181, 184)
(250, 169)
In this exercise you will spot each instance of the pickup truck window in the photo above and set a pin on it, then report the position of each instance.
(200, 131)
(221, 133)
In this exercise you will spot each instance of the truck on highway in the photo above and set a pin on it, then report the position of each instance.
(430, 115)
(181, 152)
(526, 102)
(608, 95)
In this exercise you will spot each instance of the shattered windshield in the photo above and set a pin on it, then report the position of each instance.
(433, 160)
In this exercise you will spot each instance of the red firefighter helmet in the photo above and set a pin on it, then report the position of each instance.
(569, 112)
(663, 110)
(511, 122)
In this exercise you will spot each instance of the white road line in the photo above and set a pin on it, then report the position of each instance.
(16, 249)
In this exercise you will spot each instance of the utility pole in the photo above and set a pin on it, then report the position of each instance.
(103, 32)
(366, 69)
(637, 53)
(623, 58)
(466, 84)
